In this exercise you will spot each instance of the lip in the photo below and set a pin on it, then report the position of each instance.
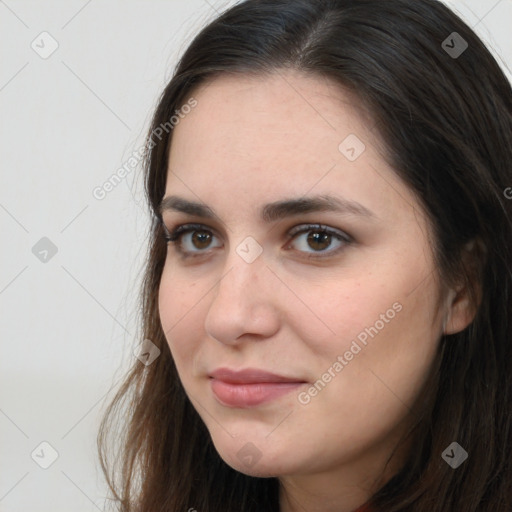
(250, 387)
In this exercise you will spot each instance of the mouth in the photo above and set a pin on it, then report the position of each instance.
(250, 387)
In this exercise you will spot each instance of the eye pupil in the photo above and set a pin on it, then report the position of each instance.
(201, 239)
(319, 237)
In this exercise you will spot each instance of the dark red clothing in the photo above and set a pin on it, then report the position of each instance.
(365, 508)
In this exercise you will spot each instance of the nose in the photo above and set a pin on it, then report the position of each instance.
(244, 302)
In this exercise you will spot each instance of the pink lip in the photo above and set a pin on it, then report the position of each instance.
(249, 387)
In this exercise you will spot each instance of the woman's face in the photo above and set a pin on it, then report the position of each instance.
(301, 347)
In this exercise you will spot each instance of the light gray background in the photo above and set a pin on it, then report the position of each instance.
(68, 122)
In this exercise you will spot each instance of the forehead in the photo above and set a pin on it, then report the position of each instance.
(257, 138)
(279, 110)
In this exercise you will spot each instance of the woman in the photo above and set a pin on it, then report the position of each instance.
(328, 288)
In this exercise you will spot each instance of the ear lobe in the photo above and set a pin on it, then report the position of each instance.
(463, 302)
(461, 312)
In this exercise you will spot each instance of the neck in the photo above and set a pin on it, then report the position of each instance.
(341, 489)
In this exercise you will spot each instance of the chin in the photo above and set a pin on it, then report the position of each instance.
(258, 469)
(253, 460)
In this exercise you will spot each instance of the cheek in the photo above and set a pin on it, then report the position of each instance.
(399, 340)
(178, 307)
(374, 366)
(379, 323)
(340, 310)
(409, 347)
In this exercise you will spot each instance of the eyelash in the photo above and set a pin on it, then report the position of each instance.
(178, 232)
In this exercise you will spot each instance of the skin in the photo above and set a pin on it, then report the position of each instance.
(255, 140)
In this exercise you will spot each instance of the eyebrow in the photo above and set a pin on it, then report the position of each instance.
(278, 210)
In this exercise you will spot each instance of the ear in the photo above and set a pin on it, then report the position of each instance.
(461, 304)
(460, 312)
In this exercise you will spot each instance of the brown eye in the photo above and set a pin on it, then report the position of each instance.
(201, 239)
(320, 241)
(192, 240)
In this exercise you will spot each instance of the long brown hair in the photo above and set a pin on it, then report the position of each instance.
(446, 122)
